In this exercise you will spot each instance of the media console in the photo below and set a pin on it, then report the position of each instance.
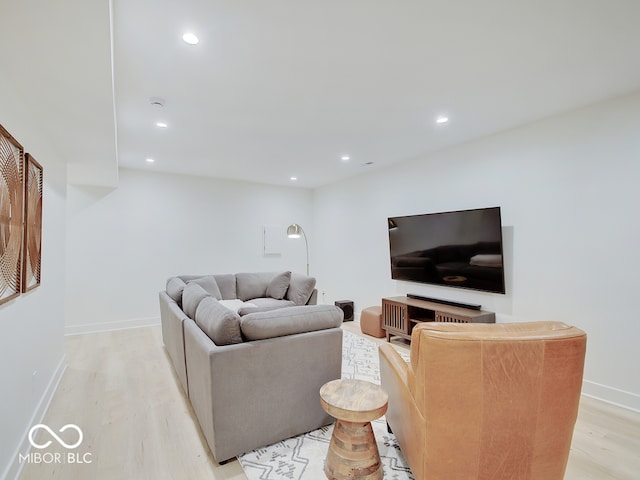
(401, 314)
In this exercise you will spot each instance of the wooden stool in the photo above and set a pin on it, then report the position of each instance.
(353, 452)
(371, 322)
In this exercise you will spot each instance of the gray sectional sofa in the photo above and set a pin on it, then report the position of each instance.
(251, 351)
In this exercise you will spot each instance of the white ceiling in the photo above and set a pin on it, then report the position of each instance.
(285, 87)
(56, 56)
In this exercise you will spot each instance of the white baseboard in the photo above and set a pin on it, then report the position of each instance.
(14, 468)
(612, 395)
(110, 326)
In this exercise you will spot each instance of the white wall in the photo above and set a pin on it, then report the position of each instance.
(123, 244)
(31, 326)
(569, 191)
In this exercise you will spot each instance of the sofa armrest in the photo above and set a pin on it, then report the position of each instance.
(269, 387)
(171, 319)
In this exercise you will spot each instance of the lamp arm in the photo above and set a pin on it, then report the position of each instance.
(293, 231)
(306, 244)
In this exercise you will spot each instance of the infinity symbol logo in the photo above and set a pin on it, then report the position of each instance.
(59, 440)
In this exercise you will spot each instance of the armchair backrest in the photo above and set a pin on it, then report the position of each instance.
(499, 400)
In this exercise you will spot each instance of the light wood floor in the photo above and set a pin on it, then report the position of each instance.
(119, 388)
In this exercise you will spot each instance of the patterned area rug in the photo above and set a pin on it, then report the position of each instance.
(302, 457)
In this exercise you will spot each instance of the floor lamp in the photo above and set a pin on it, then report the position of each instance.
(295, 231)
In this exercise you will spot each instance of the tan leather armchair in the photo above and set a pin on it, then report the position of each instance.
(486, 401)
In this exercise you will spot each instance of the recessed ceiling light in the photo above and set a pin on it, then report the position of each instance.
(442, 119)
(345, 158)
(293, 179)
(157, 101)
(150, 160)
(190, 38)
(161, 125)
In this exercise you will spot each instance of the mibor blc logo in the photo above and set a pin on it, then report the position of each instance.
(55, 457)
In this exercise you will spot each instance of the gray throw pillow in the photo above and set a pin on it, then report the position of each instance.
(175, 286)
(210, 285)
(227, 285)
(191, 298)
(300, 288)
(219, 323)
(279, 285)
(252, 285)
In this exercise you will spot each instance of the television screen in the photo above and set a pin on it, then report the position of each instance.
(457, 249)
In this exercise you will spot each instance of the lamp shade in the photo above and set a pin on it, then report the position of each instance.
(294, 231)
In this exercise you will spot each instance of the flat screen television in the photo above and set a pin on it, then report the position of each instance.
(456, 249)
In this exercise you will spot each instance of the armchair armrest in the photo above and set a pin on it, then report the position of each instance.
(395, 363)
(397, 377)
(404, 416)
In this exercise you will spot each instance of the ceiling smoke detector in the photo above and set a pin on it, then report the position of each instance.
(157, 102)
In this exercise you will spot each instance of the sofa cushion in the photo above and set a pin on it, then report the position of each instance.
(252, 285)
(236, 304)
(289, 321)
(263, 305)
(227, 284)
(278, 286)
(210, 285)
(175, 286)
(191, 298)
(219, 323)
(300, 288)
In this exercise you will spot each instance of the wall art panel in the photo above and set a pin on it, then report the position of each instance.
(11, 195)
(32, 252)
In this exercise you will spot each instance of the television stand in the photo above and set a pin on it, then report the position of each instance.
(401, 314)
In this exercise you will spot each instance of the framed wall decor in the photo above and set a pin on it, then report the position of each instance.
(32, 252)
(11, 193)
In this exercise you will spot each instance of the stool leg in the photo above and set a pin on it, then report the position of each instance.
(353, 453)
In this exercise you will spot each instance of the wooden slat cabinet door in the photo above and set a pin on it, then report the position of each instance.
(394, 318)
(452, 318)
